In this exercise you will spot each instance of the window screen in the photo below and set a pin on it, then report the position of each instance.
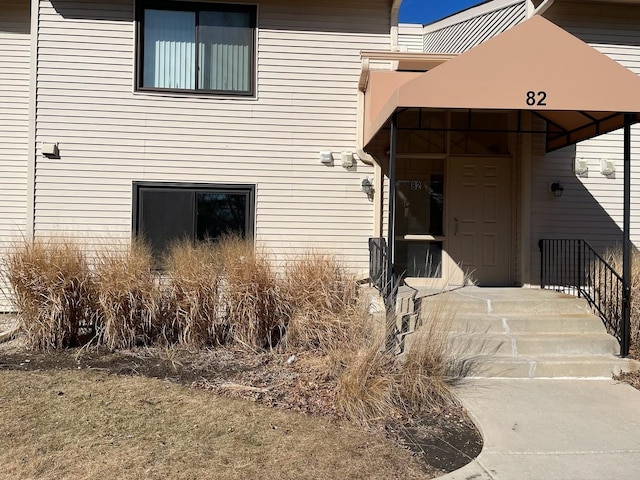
(164, 214)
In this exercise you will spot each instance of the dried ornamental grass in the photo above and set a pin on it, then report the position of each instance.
(53, 291)
(365, 390)
(614, 258)
(193, 292)
(374, 382)
(251, 295)
(324, 301)
(129, 297)
(425, 373)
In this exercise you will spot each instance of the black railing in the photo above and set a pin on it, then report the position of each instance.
(387, 283)
(575, 268)
(378, 262)
(384, 281)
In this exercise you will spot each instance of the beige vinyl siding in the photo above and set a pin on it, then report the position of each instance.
(591, 206)
(308, 64)
(14, 123)
(411, 37)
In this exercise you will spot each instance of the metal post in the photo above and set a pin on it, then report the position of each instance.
(391, 241)
(580, 269)
(625, 331)
(541, 247)
(390, 287)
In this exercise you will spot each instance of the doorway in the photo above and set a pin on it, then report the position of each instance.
(479, 219)
(454, 220)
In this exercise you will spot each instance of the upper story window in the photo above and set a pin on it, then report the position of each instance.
(196, 47)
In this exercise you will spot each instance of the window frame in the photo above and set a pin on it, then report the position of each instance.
(189, 6)
(248, 189)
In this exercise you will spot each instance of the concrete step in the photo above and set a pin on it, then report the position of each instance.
(522, 333)
(543, 366)
(527, 323)
(533, 344)
(458, 305)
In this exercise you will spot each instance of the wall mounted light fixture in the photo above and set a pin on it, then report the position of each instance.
(557, 189)
(367, 187)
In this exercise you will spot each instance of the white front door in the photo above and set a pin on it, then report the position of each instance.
(479, 220)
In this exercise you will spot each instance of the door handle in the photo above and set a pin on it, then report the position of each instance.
(455, 229)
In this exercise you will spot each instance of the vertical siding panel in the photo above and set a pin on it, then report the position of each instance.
(308, 69)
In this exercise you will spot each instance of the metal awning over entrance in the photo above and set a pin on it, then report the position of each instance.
(534, 67)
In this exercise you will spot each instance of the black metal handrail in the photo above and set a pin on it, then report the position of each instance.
(387, 283)
(572, 266)
(378, 262)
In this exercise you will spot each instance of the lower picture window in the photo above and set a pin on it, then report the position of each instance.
(166, 213)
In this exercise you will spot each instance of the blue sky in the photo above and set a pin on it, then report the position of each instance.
(428, 11)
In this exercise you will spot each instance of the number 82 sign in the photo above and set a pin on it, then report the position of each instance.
(536, 98)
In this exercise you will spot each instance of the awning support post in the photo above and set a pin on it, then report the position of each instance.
(391, 240)
(625, 331)
(390, 280)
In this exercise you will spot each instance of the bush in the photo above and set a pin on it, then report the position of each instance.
(129, 297)
(229, 293)
(193, 295)
(251, 295)
(53, 291)
(374, 382)
(426, 372)
(323, 299)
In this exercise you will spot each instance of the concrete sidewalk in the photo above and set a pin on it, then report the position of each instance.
(553, 430)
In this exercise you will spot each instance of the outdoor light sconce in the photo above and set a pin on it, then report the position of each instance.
(367, 187)
(557, 189)
(326, 157)
(581, 167)
(607, 167)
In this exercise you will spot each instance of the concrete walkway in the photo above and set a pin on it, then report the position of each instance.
(553, 429)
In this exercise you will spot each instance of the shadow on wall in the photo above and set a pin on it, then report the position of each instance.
(332, 16)
(621, 18)
(588, 208)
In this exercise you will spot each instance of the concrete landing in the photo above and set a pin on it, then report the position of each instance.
(553, 430)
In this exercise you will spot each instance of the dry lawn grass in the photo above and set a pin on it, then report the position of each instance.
(83, 424)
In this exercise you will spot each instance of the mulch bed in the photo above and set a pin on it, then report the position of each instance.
(445, 440)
